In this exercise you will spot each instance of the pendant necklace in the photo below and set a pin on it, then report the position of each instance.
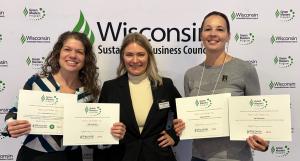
(217, 77)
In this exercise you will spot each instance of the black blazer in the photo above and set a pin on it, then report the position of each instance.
(138, 146)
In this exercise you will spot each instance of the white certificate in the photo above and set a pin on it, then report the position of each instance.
(44, 110)
(204, 116)
(90, 123)
(267, 116)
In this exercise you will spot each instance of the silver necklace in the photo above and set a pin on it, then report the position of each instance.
(217, 78)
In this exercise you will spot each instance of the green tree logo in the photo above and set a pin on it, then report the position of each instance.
(273, 39)
(277, 13)
(86, 109)
(25, 12)
(43, 98)
(28, 60)
(233, 16)
(236, 37)
(23, 39)
(251, 102)
(275, 60)
(271, 85)
(82, 25)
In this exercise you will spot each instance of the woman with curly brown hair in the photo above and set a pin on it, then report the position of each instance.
(69, 68)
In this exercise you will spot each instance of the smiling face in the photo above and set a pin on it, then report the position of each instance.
(72, 56)
(135, 59)
(215, 34)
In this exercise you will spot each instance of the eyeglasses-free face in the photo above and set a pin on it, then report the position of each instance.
(135, 59)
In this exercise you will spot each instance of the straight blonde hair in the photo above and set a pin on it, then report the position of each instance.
(152, 71)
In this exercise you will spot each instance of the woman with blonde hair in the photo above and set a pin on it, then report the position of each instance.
(146, 100)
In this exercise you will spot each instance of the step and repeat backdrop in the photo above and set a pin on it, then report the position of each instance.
(264, 33)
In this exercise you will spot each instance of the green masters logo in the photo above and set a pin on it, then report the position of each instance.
(92, 110)
(283, 62)
(285, 15)
(244, 39)
(35, 63)
(49, 100)
(258, 103)
(205, 103)
(83, 26)
(34, 13)
(2, 86)
(280, 151)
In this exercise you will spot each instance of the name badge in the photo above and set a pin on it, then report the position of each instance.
(163, 105)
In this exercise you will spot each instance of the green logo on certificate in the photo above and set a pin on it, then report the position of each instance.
(49, 100)
(92, 110)
(205, 103)
(258, 103)
(51, 126)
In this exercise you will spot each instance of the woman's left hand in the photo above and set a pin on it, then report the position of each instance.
(165, 140)
(118, 130)
(257, 143)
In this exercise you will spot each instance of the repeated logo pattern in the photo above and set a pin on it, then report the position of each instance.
(34, 13)
(280, 151)
(283, 62)
(245, 38)
(285, 15)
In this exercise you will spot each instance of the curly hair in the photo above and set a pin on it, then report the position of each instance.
(152, 70)
(88, 75)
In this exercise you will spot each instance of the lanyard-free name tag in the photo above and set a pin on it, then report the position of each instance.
(163, 105)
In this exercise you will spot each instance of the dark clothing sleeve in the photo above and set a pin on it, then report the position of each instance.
(172, 113)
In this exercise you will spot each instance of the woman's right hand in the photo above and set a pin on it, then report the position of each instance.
(179, 126)
(118, 130)
(18, 128)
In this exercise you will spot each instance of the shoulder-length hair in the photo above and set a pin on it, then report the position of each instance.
(88, 75)
(141, 40)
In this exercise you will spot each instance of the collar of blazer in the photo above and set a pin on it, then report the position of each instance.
(123, 82)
